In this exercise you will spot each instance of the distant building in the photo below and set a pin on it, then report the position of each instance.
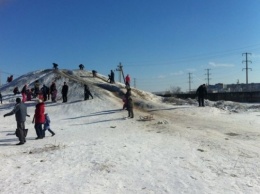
(220, 87)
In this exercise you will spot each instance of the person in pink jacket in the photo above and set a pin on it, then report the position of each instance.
(127, 81)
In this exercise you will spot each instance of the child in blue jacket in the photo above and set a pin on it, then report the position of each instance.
(47, 125)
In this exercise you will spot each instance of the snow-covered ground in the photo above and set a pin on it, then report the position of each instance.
(184, 149)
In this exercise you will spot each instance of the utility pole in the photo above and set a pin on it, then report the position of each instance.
(208, 75)
(190, 82)
(121, 72)
(246, 61)
(134, 83)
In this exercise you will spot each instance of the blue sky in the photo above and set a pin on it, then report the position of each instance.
(158, 42)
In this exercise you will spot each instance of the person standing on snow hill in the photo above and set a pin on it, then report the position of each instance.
(1, 98)
(64, 92)
(20, 111)
(47, 125)
(24, 93)
(127, 81)
(130, 106)
(53, 92)
(16, 90)
(39, 119)
(112, 77)
(45, 92)
(36, 88)
(87, 92)
(201, 92)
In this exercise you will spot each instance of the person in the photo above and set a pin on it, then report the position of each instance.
(47, 125)
(201, 93)
(53, 92)
(36, 88)
(87, 92)
(111, 77)
(55, 65)
(81, 66)
(16, 91)
(125, 98)
(20, 111)
(128, 93)
(130, 106)
(29, 94)
(1, 98)
(127, 81)
(39, 118)
(45, 92)
(64, 92)
(24, 93)
(94, 73)
(10, 79)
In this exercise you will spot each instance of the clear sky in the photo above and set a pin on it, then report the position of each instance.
(158, 42)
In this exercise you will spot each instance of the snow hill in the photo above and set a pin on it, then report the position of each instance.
(96, 149)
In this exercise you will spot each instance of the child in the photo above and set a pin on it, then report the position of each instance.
(47, 125)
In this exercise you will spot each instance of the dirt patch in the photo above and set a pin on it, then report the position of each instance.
(232, 134)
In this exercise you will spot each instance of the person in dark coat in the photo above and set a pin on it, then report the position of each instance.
(1, 98)
(45, 92)
(87, 92)
(112, 77)
(20, 111)
(64, 92)
(55, 65)
(36, 88)
(125, 98)
(130, 106)
(201, 93)
(39, 118)
(9, 79)
(16, 91)
(94, 73)
(81, 66)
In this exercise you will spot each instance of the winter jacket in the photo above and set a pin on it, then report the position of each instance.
(24, 89)
(20, 111)
(130, 103)
(53, 88)
(201, 91)
(127, 79)
(39, 117)
(65, 89)
(47, 122)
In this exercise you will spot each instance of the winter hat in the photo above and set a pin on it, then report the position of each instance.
(18, 100)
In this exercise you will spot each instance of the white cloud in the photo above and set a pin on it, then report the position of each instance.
(161, 76)
(178, 73)
(212, 64)
(191, 70)
(256, 56)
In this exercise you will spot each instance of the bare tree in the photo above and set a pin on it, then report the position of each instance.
(175, 89)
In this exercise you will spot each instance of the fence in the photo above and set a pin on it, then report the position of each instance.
(227, 96)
